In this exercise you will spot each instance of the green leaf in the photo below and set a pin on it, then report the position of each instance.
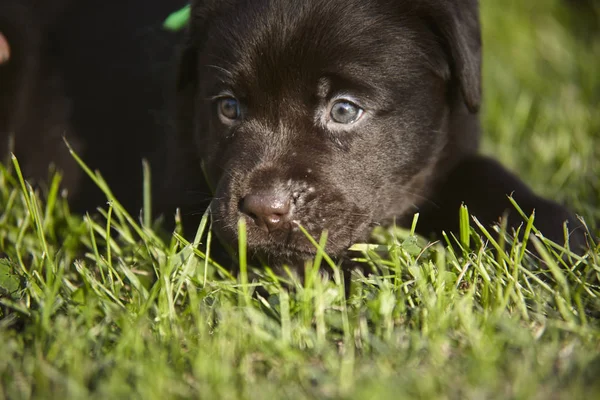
(411, 246)
(10, 282)
(177, 20)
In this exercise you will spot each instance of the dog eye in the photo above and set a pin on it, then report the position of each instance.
(229, 108)
(345, 112)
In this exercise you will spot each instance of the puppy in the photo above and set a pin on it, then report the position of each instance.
(340, 115)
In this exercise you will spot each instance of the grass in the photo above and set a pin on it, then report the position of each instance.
(107, 306)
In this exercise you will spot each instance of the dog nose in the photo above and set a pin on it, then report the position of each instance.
(270, 211)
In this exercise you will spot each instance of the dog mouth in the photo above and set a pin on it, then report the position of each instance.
(294, 240)
(289, 238)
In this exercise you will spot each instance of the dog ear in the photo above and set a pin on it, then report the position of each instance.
(182, 154)
(186, 81)
(183, 159)
(201, 13)
(457, 24)
(187, 71)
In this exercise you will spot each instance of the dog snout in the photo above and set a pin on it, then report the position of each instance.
(270, 211)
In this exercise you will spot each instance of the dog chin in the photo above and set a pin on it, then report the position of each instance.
(290, 246)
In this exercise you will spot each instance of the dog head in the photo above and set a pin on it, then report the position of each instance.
(328, 114)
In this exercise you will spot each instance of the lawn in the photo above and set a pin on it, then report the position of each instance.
(109, 306)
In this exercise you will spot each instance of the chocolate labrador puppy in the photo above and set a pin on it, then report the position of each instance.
(340, 115)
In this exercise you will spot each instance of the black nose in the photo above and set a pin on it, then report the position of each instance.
(270, 211)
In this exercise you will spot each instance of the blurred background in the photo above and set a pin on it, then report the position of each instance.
(541, 114)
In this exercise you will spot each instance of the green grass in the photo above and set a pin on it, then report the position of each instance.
(107, 307)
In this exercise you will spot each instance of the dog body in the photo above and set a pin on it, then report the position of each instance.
(340, 115)
(96, 73)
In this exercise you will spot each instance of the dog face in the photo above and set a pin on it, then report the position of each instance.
(328, 114)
